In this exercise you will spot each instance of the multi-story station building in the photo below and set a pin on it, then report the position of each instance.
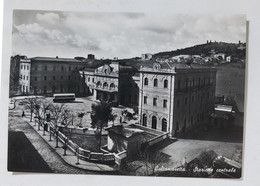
(174, 98)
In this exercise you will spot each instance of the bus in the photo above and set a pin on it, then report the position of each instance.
(68, 97)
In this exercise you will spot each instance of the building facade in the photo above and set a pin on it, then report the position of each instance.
(46, 76)
(113, 82)
(24, 76)
(175, 99)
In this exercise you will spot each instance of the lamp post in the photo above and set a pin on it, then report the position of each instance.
(39, 121)
(65, 146)
(44, 124)
(77, 152)
(57, 137)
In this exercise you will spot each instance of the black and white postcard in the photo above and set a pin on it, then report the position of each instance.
(140, 94)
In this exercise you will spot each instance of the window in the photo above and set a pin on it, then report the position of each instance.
(105, 85)
(69, 68)
(186, 101)
(54, 68)
(45, 67)
(164, 125)
(62, 68)
(179, 85)
(35, 78)
(145, 99)
(155, 82)
(28, 67)
(53, 89)
(144, 120)
(93, 80)
(45, 78)
(21, 67)
(154, 101)
(26, 77)
(145, 81)
(187, 84)
(99, 84)
(54, 77)
(165, 83)
(178, 103)
(88, 79)
(36, 68)
(44, 89)
(164, 103)
(112, 86)
(35, 90)
(154, 122)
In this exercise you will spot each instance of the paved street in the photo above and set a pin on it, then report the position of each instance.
(192, 148)
(54, 161)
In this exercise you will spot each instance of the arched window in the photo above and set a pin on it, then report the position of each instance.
(145, 81)
(105, 85)
(112, 86)
(164, 125)
(99, 84)
(144, 120)
(154, 122)
(165, 83)
(155, 82)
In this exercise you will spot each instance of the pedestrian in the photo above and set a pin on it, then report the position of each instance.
(23, 114)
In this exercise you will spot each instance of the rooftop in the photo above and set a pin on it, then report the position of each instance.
(55, 59)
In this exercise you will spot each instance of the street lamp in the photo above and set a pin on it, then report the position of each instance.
(65, 146)
(57, 137)
(77, 152)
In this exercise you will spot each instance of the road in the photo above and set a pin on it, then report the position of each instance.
(56, 164)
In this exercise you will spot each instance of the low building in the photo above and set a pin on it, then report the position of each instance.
(146, 56)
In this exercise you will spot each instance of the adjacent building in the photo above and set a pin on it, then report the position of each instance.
(46, 76)
(113, 82)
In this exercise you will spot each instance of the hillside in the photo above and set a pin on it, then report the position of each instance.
(234, 49)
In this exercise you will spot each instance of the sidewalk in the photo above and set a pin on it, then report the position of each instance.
(70, 158)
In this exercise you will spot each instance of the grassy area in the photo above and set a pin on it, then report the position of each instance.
(22, 156)
(88, 142)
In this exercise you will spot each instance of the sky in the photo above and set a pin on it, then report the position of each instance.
(122, 35)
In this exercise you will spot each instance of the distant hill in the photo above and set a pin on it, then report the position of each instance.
(233, 49)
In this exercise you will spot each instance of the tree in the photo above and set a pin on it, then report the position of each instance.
(56, 113)
(151, 160)
(30, 104)
(81, 115)
(101, 114)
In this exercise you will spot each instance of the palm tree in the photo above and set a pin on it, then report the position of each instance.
(100, 115)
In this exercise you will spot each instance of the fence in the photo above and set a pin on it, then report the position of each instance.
(83, 154)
